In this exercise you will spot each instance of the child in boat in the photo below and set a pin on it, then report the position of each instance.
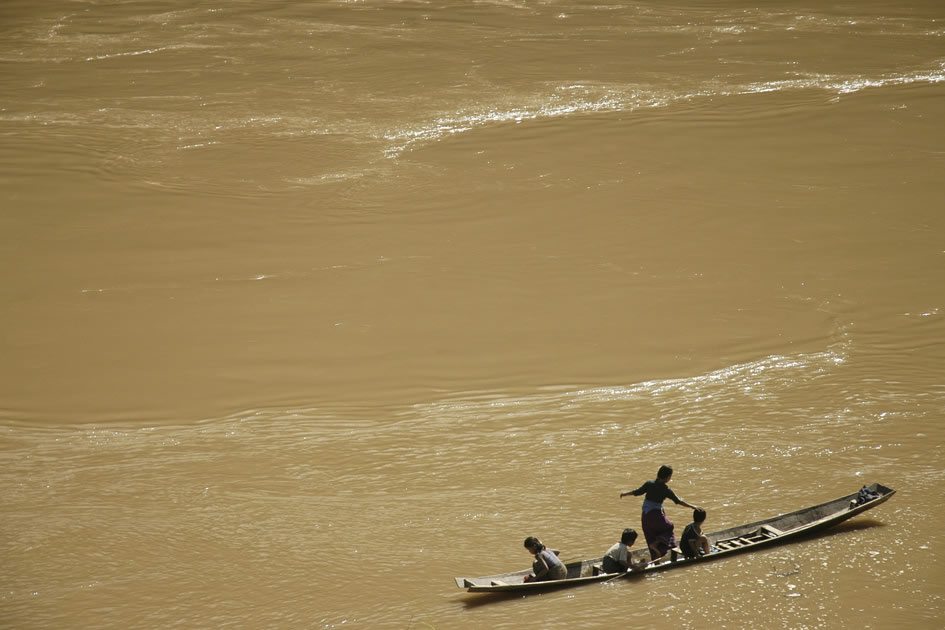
(547, 565)
(694, 543)
(658, 529)
(618, 559)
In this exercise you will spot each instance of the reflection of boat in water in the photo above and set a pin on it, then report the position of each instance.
(738, 539)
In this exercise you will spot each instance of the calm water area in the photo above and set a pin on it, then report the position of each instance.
(309, 307)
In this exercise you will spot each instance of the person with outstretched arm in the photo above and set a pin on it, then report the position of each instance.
(658, 529)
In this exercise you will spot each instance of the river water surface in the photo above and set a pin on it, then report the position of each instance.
(310, 307)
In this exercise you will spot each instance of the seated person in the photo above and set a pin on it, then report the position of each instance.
(693, 542)
(547, 565)
(618, 559)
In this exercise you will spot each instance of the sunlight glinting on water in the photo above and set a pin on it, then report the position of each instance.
(841, 85)
(627, 99)
(758, 380)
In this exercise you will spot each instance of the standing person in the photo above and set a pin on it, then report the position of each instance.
(693, 542)
(547, 565)
(618, 559)
(658, 529)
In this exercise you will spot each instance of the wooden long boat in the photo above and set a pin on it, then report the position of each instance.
(740, 539)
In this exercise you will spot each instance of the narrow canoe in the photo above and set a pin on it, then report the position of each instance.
(740, 539)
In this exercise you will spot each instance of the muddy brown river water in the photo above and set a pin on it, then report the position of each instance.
(310, 307)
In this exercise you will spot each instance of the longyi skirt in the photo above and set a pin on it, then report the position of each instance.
(658, 531)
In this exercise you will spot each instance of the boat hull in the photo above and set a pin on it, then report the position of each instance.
(739, 539)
